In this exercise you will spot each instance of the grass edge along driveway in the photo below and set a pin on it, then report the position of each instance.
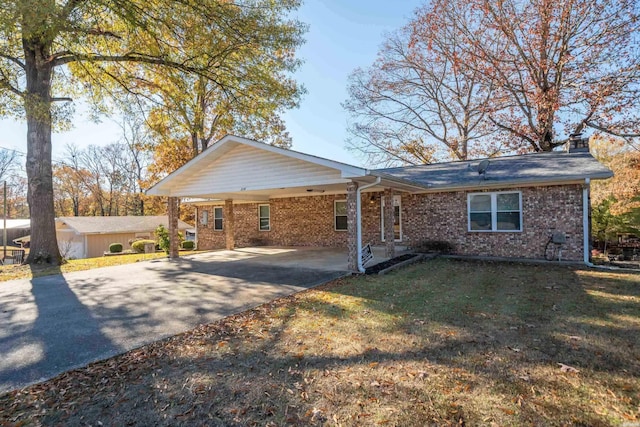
(15, 271)
(443, 342)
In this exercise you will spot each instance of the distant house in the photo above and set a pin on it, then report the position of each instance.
(16, 228)
(90, 236)
(249, 193)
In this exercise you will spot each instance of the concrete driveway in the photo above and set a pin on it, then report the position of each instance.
(52, 324)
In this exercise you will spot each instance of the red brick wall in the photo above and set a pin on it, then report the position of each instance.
(296, 221)
(309, 221)
(443, 216)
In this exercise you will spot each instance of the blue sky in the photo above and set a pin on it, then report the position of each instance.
(343, 35)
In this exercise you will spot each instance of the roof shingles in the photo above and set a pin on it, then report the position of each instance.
(524, 169)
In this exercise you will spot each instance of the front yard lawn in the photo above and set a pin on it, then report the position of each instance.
(439, 343)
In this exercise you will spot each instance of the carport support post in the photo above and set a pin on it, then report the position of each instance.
(172, 211)
(389, 220)
(229, 227)
(352, 238)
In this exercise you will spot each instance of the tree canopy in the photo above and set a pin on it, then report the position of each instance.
(534, 72)
(616, 201)
(52, 50)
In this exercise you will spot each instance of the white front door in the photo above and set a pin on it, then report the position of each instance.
(397, 218)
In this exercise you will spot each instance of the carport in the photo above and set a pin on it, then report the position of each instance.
(237, 171)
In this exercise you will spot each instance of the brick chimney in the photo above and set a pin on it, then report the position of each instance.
(578, 143)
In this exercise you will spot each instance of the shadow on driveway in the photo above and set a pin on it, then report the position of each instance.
(47, 330)
(56, 323)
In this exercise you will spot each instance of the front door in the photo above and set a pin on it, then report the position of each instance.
(397, 219)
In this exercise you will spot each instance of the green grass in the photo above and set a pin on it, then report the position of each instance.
(10, 272)
(439, 343)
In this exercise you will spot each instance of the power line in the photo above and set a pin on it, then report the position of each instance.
(23, 154)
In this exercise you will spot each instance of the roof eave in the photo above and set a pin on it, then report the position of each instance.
(401, 181)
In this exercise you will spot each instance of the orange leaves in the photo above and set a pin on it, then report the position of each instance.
(508, 411)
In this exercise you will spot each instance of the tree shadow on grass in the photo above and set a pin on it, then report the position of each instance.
(556, 307)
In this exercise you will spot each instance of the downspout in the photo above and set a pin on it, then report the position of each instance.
(585, 221)
(195, 238)
(359, 221)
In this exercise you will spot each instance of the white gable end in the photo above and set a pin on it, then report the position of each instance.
(245, 168)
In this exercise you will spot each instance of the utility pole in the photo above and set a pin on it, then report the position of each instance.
(4, 219)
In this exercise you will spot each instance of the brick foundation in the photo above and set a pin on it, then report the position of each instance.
(309, 221)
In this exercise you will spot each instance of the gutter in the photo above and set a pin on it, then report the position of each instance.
(512, 183)
(359, 221)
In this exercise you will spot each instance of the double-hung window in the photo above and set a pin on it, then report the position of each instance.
(498, 211)
(217, 219)
(340, 215)
(264, 218)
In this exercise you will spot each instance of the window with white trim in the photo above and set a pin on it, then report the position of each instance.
(340, 215)
(497, 211)
(264, 217)
(217, 219)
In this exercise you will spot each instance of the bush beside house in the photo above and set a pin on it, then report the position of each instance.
(115, 248)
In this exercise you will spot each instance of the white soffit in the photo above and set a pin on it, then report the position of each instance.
(235, 165)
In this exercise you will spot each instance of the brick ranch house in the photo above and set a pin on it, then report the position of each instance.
(248, 193)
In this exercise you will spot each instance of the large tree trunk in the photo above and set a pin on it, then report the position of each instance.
(44, 246)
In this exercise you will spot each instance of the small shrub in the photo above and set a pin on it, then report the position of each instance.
(163, 238)
(115, 248)
(164, 242)
(138, 245)
(438, 246)
(188, 244)
(135, 239)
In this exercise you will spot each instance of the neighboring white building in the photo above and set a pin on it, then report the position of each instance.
(90, 236)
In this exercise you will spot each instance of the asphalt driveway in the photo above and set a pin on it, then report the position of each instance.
(52, 324)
